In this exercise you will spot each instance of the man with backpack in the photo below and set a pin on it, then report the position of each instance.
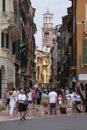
(38, 97)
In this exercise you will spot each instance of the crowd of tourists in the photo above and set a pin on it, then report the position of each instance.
(45, 100)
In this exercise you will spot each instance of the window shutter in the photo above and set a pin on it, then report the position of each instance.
(18, 50)
(84, 52)
(7, 40)
(3, 5)
(2, 39)
(13, 48)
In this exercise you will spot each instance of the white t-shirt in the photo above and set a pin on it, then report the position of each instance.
(60, 100)
(69, 96)
(74, 97)
(78, 98)
(29, 95)
(52, 97)
(21, 98)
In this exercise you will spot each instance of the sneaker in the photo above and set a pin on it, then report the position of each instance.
(21, 119)
(24, 118)
(45, 113)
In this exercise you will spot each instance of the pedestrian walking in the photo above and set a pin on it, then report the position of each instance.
(52, 100)
(44, 101)
(60, 100)
(22, 107)
(78, 102)
(38, 98)
(29, 99)
(33, 96)
(7, 99)
(12, 102)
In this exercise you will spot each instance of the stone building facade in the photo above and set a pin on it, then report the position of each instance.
(17, 44)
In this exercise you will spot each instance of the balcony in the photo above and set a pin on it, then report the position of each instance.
(13, 30)
(7, 23)
(7, 16)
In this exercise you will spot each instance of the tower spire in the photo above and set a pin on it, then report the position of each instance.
(47, 29)
(47, 9)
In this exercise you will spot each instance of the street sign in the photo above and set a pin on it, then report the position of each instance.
(74, 79)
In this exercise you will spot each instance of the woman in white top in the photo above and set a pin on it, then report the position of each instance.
(78, 102)
(29, 97)
(60, 100)
(12, 102)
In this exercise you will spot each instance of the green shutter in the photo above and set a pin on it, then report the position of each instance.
(84, 52)
(18, 50)
(3, 5)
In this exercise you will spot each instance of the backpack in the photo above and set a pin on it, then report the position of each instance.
(33, 94)
(37, 94)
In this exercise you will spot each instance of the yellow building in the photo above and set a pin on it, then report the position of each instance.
(46, 68)
(39, 67)
(43, 66)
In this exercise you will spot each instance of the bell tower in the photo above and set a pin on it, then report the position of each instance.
(47, 31)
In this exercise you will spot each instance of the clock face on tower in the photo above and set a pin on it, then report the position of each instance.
(46, 49)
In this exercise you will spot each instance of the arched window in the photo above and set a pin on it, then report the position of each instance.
(46, 34)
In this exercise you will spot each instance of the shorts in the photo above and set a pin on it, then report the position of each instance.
(38, 101)
(30, 102)
(8, 101)
(22, 107)
(45, 105)
(78, 102)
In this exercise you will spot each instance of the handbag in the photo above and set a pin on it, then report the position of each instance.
(26, 102)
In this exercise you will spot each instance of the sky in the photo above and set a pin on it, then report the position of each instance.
(57, 7)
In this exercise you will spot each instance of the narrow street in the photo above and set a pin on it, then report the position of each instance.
(43, 65)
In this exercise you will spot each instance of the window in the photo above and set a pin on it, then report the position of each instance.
(4, 40)
(3, 5)
(49, 19)
(84, 52)
(46, 19)
(7, 40)
(17, 49)
(46, 34)
(13, 48)
(38, 69)
(45, 61)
